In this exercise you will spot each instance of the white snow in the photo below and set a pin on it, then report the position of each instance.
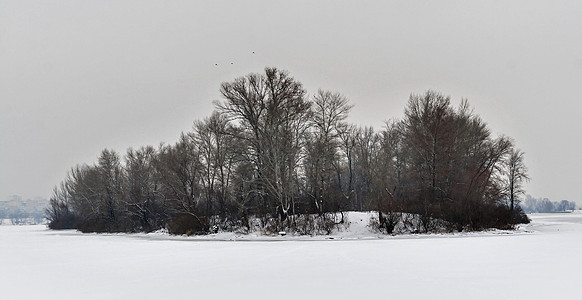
(538, 261)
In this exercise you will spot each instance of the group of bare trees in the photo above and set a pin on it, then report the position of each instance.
(545, 205)
(447, 166)
(271, 153)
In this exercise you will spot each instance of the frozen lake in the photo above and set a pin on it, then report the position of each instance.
(541, 261)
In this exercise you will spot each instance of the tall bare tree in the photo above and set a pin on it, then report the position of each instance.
(329, 112)
(272, 112)
(214, 138)
(144, 203)
(179, 168)
(516, 173)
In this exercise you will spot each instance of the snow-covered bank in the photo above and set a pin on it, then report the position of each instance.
(539, 262)
(356, 227)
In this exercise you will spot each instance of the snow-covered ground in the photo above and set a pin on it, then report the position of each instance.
(539, 261)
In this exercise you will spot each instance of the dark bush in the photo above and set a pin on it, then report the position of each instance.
(188, 224)
(92, 225)
(99, 225)
(60, 216)
(519, 216)
(68, 221)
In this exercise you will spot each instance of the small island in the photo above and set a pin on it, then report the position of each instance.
(273, 159)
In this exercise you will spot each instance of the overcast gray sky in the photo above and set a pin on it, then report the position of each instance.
(79, 76)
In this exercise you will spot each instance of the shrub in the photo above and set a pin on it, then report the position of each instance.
(188, 224)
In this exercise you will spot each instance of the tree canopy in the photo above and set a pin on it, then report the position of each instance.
(272, 153)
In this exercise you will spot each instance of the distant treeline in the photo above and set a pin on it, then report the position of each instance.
(23, 211)
(539, 205)
(272, 153)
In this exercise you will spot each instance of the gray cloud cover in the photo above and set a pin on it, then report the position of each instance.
(80, 76)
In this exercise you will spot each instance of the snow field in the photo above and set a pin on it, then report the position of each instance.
(540, 261)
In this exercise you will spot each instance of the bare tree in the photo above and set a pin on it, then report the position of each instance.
(272, 112)
(95, 194)
(214, 138)
(348, 138)
(144, 205)
(366, 151)
(516, 176)
(111, 184)
(427, 123)
(329, 112)
(387, 176)
(59, 212)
